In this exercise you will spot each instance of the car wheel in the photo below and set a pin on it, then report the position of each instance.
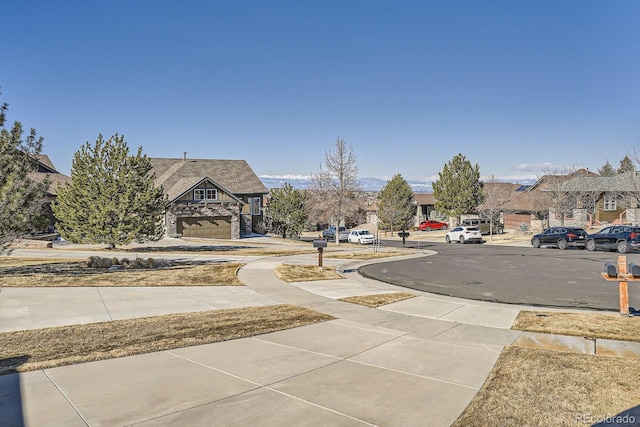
(536, 243)
(562, 244)
(462, 240)
(591, 245)
(500, 230)
(447, 239)
(623, 246)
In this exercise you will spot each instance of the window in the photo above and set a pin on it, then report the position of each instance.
(254, 202)
(205, 194)
(609, 202)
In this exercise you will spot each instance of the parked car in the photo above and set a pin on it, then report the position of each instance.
(484, 225)
(463, 235)
(363, 237)
(622, 238)
(330, 234)
(432, 224)
(561, 237)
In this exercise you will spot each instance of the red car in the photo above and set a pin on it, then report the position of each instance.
(432, 224)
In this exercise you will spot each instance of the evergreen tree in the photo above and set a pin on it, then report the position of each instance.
(20, 197)
(606, 170)
(458, 189)
(396, 206)
(112, 197)
(287, 211)
(626, 165)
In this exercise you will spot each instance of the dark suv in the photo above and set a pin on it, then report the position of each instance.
(561, 237)
(622, 238)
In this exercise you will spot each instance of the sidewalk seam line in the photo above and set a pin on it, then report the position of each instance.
(104, 304)
(66, 398)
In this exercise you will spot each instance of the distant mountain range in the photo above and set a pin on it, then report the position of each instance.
(367, 184)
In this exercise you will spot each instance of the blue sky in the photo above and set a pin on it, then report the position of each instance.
(510, 84)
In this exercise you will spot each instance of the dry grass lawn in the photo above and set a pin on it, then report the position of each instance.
(32, 272)
(305, 273)
(590, 325)
(46, 348)
(547, 388)
(378, 300)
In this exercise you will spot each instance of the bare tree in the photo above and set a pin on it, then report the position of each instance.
(496, 196)
(572, 190)
(563, 199)
(335, 185)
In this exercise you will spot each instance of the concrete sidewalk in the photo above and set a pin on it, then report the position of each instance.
(417, 362)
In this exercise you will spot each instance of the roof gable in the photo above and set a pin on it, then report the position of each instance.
(177, 176)
(45, 165)
(46, 170)
(186, 185)
(546, 180)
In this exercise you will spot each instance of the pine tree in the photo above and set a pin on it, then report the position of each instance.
(396, 207)
(112, 198)
(458, 189)
(20, 197)
(606, 169)
(626, 165)
(287, 211)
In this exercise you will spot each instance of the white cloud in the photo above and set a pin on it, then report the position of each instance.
(536, 167)
(284, 177)
(511, 177)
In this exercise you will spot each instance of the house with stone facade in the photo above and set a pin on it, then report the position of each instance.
(592, 200)
(209, 198)
(531, 206)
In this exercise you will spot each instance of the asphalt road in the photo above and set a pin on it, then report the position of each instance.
(515, 275)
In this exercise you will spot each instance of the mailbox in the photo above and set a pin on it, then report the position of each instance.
(319, 243)
(633, 269)
(611, 269)
(403, 234)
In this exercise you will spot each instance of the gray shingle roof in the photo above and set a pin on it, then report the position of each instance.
(178, 175)
(600, 184)
(424, 198)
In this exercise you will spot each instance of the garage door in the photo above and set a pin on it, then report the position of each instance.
(205, 226)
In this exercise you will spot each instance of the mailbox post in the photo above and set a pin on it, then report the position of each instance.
(619, 273)
(404, 235)
(320, 244)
